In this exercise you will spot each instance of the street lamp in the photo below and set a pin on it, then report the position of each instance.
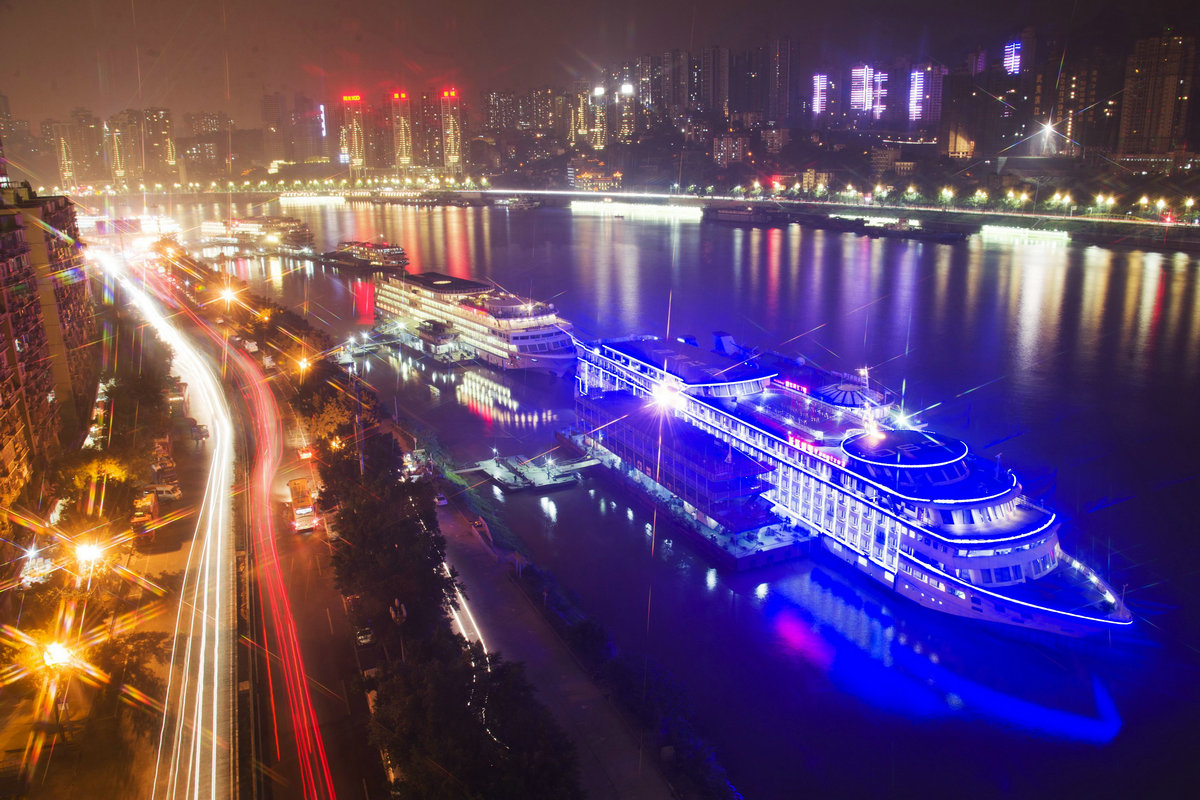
(57, 655)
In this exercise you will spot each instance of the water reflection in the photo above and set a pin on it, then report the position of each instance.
(1077, 366)
(926, 668)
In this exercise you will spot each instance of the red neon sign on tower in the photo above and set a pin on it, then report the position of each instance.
(351, 98)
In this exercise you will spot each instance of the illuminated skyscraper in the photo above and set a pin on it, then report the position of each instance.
(123, 137)
(402, 130)
(862, 88)
(451, 130)
(648, 69)
(820, 98)
(352, 139)
(879, 94)
(598, 114)
(1012, 58)
(925, 93)
(626, 113)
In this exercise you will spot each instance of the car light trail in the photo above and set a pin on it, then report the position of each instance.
(194, 758)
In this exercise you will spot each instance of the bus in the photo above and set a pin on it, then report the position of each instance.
(304, 516)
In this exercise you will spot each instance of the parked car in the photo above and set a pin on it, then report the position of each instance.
(364, 636)
(167, 491)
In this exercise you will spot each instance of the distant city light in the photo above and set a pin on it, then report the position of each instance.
(627, 89)
(598, 91)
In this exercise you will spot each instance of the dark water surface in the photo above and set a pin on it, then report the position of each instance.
(1079, 367)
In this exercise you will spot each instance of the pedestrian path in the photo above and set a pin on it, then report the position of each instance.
(610, 763)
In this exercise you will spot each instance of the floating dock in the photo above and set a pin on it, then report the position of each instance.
(518, 473)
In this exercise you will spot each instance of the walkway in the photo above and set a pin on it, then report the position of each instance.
(610, 765)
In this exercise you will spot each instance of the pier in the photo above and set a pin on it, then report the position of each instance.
(518, 473)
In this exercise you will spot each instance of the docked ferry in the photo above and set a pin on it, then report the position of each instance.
(368, 255)
(286, 235)
(453, 318)
(915, 510)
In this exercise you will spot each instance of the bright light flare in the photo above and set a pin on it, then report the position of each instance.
(666, 397)
(57, 655)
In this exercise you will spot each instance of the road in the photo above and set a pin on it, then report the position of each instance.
(194, 748)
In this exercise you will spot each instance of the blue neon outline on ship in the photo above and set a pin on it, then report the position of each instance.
(977, 548)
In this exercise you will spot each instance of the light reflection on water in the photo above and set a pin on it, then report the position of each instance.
(1077, 366)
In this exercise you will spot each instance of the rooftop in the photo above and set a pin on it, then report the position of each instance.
(691, 364)
(444, 284)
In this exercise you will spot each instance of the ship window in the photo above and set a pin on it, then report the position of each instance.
(1002, 575)
(1037, 567)
(1016, 572)
(985, 575)
(947, 517)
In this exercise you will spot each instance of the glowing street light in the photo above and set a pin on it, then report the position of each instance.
(57, 655)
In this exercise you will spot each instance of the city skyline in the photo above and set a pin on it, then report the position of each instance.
(174, 54)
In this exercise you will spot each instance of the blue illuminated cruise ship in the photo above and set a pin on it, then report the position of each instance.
(917, 511)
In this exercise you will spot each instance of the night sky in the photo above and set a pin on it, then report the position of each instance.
(59, 54)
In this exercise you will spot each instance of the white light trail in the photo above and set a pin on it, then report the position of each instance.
(194, 756)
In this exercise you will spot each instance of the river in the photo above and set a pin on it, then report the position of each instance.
(1078, 367)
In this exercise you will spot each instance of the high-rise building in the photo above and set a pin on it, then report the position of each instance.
(1012, 58)
(862, 88)
(648, 84)
(64, 294)
(5, 117)
(580, 130)
(275, 127)
(598, 117)
(205, 123)
(429, 130)
(925, 94)
(124, 133)
(879, 94)
(352, 135)
(62, 144)
(541, 105)
(308, 131)
(729, 149)
(627, 113)
(820, 98)
(1159, 78)
(500, 111)
(779, 81)
(403, 151)
(452, 134)
(748, 83)
(714, 80)
(674, 81)
(159, 144)
(28, 430)
(1070, 103)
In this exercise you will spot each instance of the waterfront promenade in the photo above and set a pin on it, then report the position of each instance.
(611, 764)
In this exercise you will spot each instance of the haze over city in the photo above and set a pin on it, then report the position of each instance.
(179, 47)
(681, 401)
